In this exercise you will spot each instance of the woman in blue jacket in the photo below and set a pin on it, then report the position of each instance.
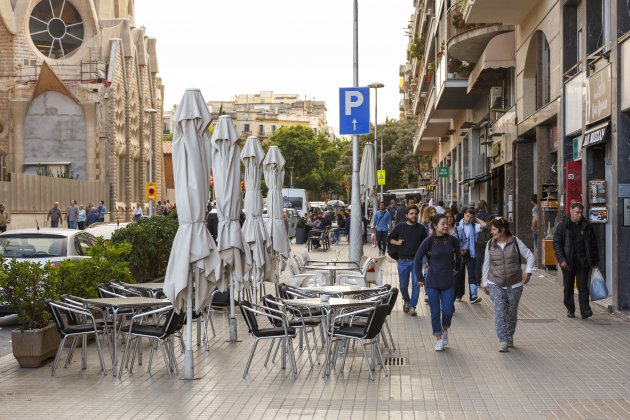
(444, 258)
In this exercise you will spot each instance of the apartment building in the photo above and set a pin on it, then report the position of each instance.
(261, 114)
(515, 98)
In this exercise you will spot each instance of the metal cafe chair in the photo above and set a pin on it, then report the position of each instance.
(75, 322)
(284, 332)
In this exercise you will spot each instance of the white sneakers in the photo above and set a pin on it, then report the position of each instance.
(439, 346)
(445, 336)
(503, 346)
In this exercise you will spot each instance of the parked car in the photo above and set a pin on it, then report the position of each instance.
(106, 230)
(46, 244)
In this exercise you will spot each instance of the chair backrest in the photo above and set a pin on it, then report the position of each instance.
(351, 281)
(250, 317)
(299, 260)
(392, 299)
(174, 322)
(376, 320)
(270, 302)
(282, 291)
(366, 266)
(306, 257)
(220, 299)
(55, 309)
(106, 291)
(293, 266)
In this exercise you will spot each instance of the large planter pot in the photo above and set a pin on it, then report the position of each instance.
(32, 347)
(300, 235)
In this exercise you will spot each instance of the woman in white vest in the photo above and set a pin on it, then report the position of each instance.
(503, 278)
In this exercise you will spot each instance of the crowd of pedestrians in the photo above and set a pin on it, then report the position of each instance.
(439, 250)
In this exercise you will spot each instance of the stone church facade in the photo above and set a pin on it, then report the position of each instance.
(80, 96)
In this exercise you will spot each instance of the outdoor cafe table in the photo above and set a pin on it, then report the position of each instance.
(329, 308)
(332, 268)
(115, 304)
(337, 290)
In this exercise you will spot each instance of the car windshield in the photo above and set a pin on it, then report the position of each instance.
(32, 246)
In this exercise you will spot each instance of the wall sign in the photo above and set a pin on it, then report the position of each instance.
(597, 134)
(598, 96)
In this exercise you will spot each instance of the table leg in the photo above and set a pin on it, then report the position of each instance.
(115, 328)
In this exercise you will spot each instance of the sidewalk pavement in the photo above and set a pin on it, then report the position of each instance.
(560, 368)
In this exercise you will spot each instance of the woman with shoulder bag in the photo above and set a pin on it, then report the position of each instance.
(503, 278)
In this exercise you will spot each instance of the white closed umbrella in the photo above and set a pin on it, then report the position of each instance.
(226, 168)
(256, 239)
(273, 170)
(193, 251)
(367, 174)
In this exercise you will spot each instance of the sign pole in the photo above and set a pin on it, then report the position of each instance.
(356, 243)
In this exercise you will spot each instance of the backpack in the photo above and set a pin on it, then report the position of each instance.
(392, 250)
(483, 237)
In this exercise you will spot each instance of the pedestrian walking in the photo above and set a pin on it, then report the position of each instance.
(444, 258)
(467, 231)
(381, 222)
(482, 237)
(101, 211)
(503, 278)
(401, 212)
(72, 215)
(408, 236)
(137, 213)
(81, 219)
(534, 202)
(5, 218)
(54, 215)
(575, 245)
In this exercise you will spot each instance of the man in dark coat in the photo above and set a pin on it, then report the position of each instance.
(575, 245)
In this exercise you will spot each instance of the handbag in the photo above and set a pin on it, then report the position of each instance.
(598, 287)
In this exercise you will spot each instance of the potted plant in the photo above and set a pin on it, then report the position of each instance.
(441, 51)
(27, 286)
(465, 69)
(453, 64)
(458, 21)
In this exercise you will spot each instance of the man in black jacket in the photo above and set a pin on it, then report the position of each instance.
(575, 245)
(408, 236)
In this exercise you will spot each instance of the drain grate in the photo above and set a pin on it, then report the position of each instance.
(396, 361)
(537, 320)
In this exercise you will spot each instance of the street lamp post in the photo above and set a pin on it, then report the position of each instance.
(376, 86)
(356, 243)
(291, 169)
(151, 113)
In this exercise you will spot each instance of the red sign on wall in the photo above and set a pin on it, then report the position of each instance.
(573, 183)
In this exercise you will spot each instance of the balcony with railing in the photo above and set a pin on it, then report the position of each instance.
(467, 41)
(509, 12)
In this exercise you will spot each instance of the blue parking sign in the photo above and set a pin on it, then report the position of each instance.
(354, 110)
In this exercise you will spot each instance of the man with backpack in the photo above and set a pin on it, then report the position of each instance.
(407, 237)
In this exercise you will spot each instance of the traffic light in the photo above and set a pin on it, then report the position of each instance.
(151, 191)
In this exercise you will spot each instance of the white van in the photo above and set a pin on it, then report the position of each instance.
(296, 198)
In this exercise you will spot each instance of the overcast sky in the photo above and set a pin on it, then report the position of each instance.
(230, 47)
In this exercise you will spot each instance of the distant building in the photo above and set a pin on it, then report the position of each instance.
(79, 97)
(263, 113)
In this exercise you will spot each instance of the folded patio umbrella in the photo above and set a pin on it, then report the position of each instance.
(273, 169)
(227, 179)
(257, 242)
(194, 252)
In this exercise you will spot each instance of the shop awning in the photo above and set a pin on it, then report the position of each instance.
(597, 134)
(499, 54)
(485, 178)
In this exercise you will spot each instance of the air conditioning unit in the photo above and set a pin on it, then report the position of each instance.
(497, 101)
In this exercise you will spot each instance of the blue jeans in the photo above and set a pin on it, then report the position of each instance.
(441, 306)
(405, 268)
(72, 224)
(336, 234)
(472, 277)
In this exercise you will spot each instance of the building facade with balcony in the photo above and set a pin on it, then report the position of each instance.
(544, 110)
(80, 96)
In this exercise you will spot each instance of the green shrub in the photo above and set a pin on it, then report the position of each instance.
(26, 287)
(151, 239)
(81, 278)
